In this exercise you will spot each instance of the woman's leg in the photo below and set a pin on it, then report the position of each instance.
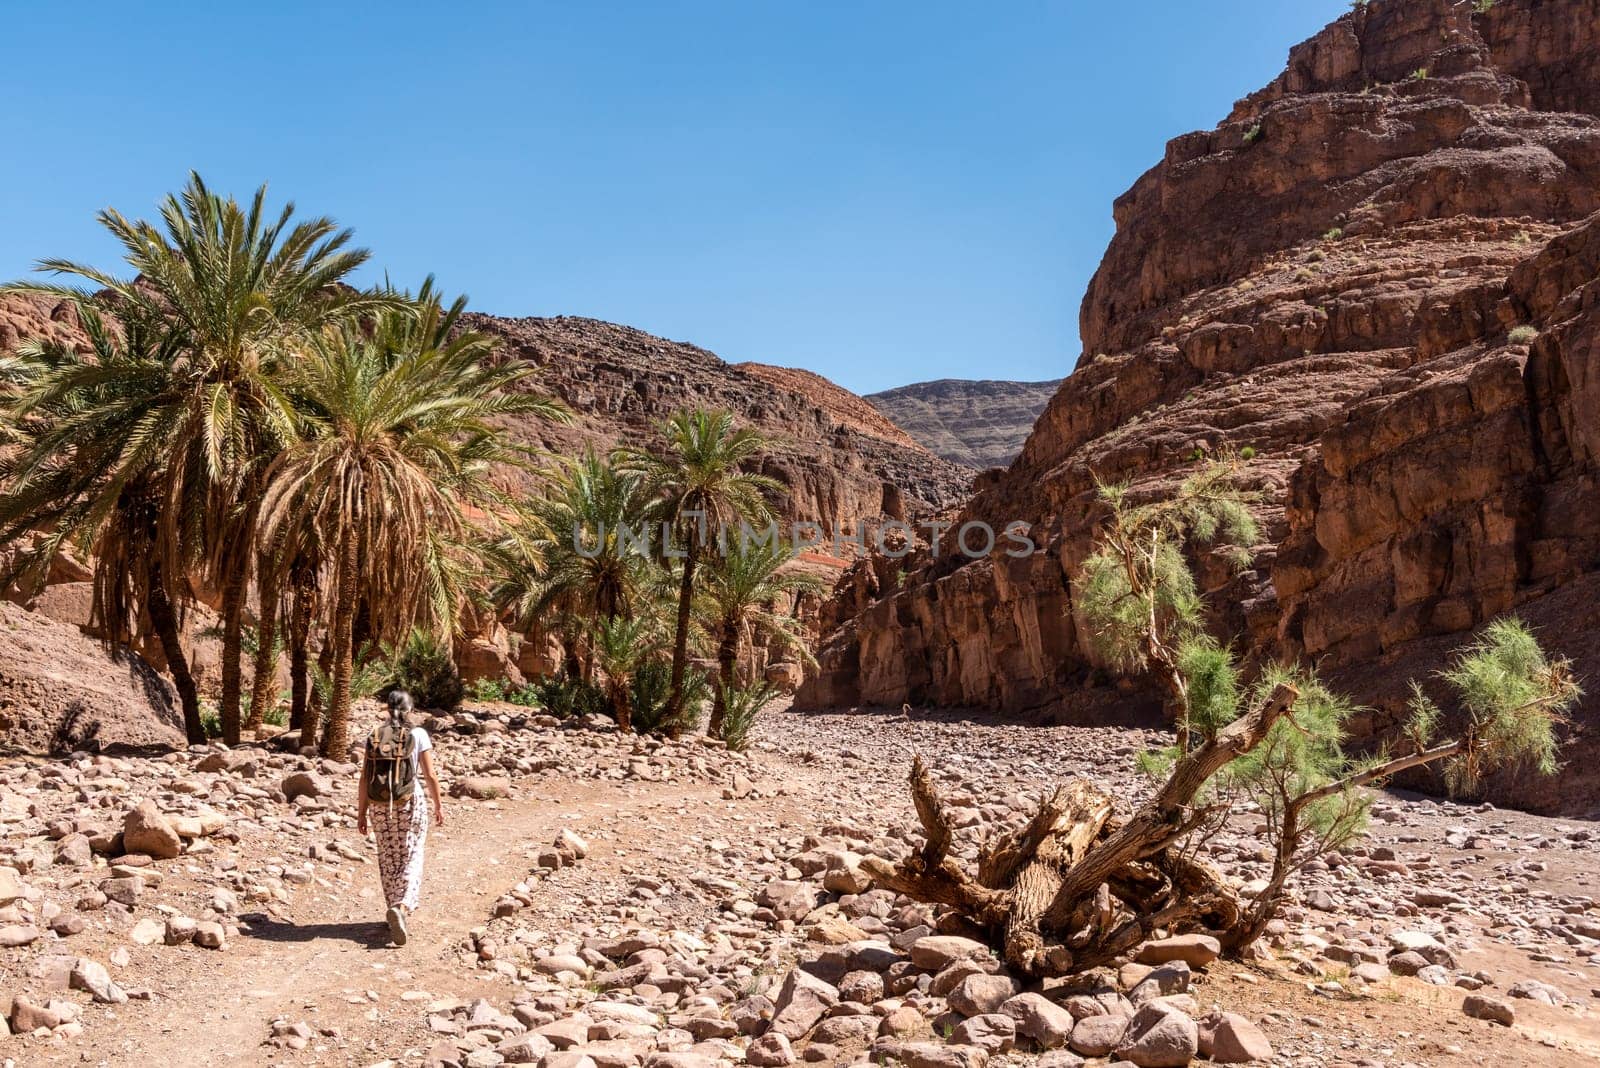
(416, 841)
(390, 836)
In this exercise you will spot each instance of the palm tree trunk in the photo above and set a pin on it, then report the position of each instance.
(264, 670)
(727, 661)
(232, 646)
(165, 622)
(317, 705)
(680, 639)
(299, 667)
(344, 616)
(623, 702)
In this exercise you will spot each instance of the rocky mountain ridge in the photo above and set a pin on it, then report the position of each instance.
(1378, 275)
(842, 462)
(976, 422)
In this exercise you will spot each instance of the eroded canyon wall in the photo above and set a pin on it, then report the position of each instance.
(1378, 275)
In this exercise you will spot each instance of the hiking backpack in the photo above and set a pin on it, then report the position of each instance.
(391, 772)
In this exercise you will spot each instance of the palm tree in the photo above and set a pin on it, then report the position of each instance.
(580, 554)
(699, 489)
(396, 449)
(90, 467)
(622, 644)
(736, 607)
(243, 291)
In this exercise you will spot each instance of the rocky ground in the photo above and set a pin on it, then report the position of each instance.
(597, 900)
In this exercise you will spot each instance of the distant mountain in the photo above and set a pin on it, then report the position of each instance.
(974, 423)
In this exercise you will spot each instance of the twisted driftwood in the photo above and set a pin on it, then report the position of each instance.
(1076, 887)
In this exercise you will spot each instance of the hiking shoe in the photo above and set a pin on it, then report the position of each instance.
(397, 926)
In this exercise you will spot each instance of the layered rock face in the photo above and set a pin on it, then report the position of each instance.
(979, 424)
(842, 462)
(61, 691)
(1378, 275)
(22, 318)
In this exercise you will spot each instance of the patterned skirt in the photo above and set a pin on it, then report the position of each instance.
(402, 833)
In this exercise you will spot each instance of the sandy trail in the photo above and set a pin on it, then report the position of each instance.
(327, 961)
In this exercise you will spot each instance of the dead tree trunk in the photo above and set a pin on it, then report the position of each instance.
(1076, 887)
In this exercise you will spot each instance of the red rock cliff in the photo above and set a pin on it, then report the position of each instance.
(1330, 277)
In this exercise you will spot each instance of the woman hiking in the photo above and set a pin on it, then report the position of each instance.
(397, 756)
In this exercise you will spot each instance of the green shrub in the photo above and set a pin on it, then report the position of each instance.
(369, 673)
(526, 695)
(425, 667)
(741, 705)
(1247, 453)
(1334, 234)
(1483, 7)
(1252, 135)
(568, 697)
(487, 690)
(652, 684)
(210, 720)
(275, 715)
(1420, 74)
(1523, 335)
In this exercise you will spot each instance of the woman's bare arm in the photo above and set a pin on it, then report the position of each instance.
(425, 761)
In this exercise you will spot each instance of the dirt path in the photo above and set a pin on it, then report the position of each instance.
(326, 960)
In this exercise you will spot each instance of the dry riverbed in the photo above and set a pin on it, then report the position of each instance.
(594, 900)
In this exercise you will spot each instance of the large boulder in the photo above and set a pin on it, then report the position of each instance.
(305, 784)
(1228, 1038)
(1160, 1036)
(145, 830)
(1195, 950)
(1049, 1025)
(802, 1001)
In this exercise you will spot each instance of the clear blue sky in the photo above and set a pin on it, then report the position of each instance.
(880, 192)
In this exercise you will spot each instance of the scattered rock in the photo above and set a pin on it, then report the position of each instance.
(1160, 1036)
(1228, 1038)
(1480, 1007)
(1195, 950)
(145, 830)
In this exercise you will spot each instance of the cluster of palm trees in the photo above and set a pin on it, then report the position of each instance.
(243, 421)
(642, 555)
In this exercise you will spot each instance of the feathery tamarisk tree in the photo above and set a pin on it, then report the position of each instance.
(1080, 885)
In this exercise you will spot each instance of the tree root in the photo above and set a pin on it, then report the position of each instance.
(1075, 887)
